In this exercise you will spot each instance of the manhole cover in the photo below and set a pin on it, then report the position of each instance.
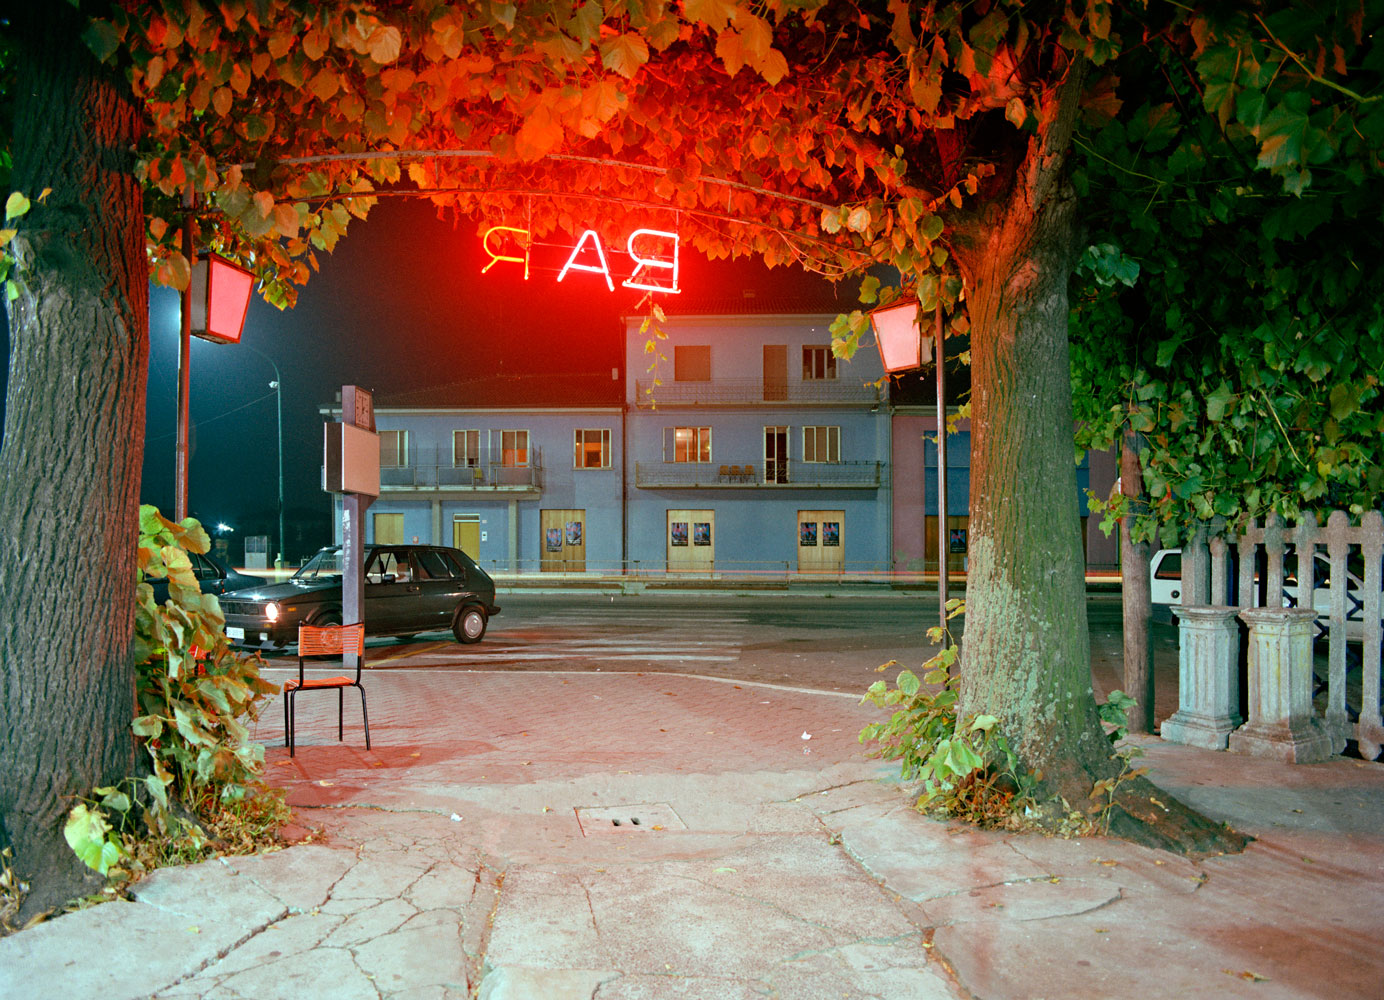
(642, 816)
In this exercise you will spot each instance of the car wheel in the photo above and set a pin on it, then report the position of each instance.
(469, 624)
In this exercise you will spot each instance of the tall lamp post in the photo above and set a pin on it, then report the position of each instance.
(898, 334)
(213, 308)
(277, 386)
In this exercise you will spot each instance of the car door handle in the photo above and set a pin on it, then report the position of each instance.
(413, 588)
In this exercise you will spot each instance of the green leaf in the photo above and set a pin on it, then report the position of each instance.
(908, 682)
(16, 205)
(102, 39)
(85, 832)
(624, 54)
(1218, 402)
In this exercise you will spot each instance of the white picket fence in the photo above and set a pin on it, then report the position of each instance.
(1283, 720)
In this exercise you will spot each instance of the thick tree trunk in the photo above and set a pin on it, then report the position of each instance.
(69, 466)
(1025, 652)
(1136, 592)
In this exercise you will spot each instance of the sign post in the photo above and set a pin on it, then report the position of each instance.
(351, 467)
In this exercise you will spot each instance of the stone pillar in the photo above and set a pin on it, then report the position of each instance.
(1208, 682)
(1281, 723)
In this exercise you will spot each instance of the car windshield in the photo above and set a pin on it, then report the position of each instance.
(325, 563)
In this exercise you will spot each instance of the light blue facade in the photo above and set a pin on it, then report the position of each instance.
(743, 451)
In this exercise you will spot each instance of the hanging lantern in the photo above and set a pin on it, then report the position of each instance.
(898, 337)
(219, 296)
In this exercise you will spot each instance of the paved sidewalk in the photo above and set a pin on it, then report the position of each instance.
(473, 852)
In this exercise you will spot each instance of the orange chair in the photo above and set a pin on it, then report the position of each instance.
(327, 640)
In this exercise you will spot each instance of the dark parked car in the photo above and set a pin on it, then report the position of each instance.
(213, 576)
(408, 589)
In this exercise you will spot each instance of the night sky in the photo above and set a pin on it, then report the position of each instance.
(400, 305)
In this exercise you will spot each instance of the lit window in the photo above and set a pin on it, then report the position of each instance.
(393, 449)
(591, 449)
(514, 448)
(692, 364)
(818, 363)
(691, 444)
(466, 449)
(821, 444)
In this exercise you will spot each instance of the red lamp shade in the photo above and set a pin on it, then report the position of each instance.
(899, 338)
(220, 296)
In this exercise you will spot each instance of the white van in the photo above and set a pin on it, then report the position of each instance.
(1166, 579)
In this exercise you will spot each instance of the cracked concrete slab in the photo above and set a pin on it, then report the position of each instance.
(451, 869)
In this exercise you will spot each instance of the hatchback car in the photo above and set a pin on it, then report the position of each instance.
(408, 589)
(213, 577)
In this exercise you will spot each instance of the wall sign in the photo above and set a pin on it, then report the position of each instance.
(653, 255)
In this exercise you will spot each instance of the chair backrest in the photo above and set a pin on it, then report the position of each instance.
(749, 472)
(331, 640)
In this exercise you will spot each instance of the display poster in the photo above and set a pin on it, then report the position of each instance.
(807, 533)
(701, 532)
(554, 539)
(957, 543)
(677, 532)
(573, 532)
(831, 533)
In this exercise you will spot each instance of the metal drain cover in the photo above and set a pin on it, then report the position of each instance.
(648, 817)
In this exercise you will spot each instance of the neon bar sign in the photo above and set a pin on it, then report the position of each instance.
(653, 251)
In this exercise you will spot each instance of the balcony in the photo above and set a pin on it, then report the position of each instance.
(779, 475)
(741, 391)
(427, 472)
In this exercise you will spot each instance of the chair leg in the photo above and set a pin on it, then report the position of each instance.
(340, 714)
(289, 720)
(365, 715)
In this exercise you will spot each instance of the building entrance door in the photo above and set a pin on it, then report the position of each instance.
(466, 534)
(691, 541)
(563, 541)
(821, 541)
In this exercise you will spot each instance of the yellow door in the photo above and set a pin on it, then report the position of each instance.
(466, 534)
(691, 539)
(389, 529)
(821, 541)
(563, 541)
(958, 543)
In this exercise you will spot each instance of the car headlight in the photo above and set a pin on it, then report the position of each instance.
(271, 611)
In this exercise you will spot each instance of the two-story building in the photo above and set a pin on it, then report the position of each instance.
(735, 445)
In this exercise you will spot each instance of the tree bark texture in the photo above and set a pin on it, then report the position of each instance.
(1026, 648)
(73, 445)
(1025, 651)
(1136, 590)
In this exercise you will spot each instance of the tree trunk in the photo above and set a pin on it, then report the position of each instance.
(70, 461)
(1136, 591)
(1025, 652)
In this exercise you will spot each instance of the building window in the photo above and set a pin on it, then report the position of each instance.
(591, 450)
(691, 444)
(692, 364)
(818, 363)
(821, 444)
(393, 449)
(514, 448)
(466, 449)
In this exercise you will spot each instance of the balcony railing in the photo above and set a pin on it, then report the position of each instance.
(695, 475)
(486, 476)
(733, 391)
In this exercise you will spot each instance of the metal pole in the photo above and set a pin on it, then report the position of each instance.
(941, 473)
(184, 372)
(279, 400)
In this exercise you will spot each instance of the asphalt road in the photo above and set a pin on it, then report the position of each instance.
(830, 643)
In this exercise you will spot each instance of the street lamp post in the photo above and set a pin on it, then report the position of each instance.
(898, 335)
(277, 386)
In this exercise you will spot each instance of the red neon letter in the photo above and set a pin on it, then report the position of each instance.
(600, 252)
(495, 258)
(643, 262)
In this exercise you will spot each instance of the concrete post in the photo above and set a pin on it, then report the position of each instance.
(1208, 682)
(1281, 723)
